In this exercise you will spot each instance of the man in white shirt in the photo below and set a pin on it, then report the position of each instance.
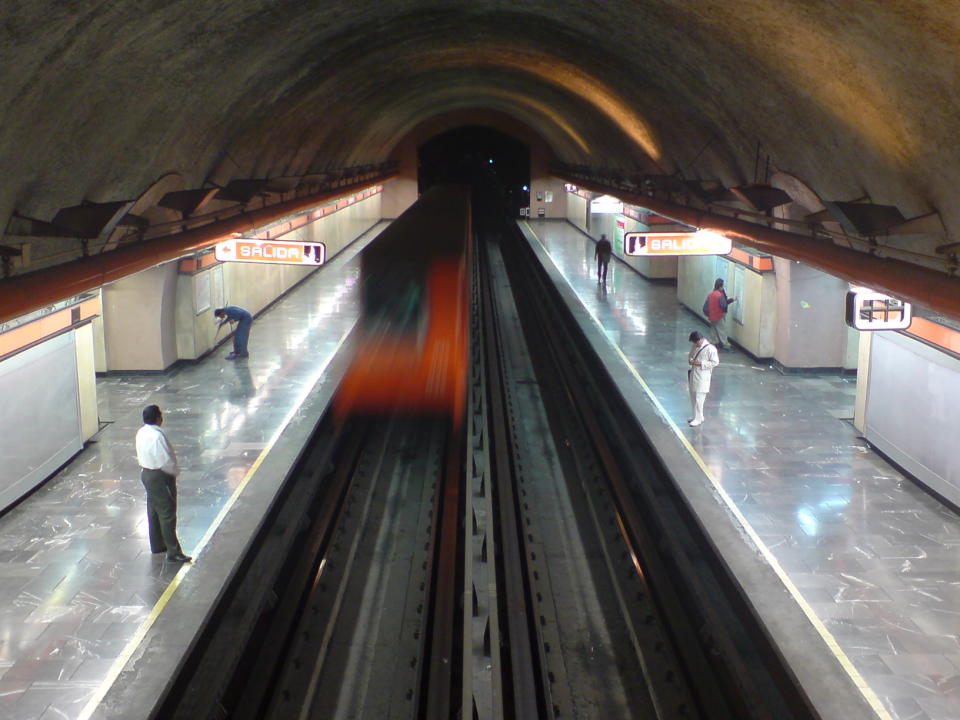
(703, 358)
(159, 476)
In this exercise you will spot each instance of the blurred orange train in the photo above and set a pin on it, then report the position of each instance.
(411, 345)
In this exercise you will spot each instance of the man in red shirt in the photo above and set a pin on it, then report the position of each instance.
(715, 309)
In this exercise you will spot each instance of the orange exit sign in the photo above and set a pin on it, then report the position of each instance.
(270, 251)
(663, 244)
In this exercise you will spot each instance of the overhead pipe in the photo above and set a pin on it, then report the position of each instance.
(922, 286)
(31, 291)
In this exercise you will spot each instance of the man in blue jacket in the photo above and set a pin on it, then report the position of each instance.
(243, 319)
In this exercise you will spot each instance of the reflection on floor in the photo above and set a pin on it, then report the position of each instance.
(876, 557)
(76, 573)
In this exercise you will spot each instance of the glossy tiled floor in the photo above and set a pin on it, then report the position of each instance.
(876, 557)
(76, 574)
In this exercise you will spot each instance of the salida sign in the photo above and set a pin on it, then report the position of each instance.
(270, 251)
(701, 242)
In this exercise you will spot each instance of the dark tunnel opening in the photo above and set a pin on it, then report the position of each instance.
(478, 155)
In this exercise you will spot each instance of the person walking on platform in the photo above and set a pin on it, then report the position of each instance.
(703, 358)
(158, 474)
(243, 319)
(715, 308)
(602, 254)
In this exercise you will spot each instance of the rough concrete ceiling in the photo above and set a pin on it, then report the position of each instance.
(854, 98)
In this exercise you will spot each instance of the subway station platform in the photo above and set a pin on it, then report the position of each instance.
(872, 556)
(79, 588)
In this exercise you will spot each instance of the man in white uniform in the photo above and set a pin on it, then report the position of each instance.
(703, 359)
(159, 476)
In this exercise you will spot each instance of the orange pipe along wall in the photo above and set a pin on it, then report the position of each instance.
(928, 288)
(24, 293)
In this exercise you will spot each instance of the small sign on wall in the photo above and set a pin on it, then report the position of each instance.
(271, 251)
(869, 310)
(664, 244)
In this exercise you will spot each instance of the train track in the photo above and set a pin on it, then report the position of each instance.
(582, 635)
(534, 564)
(363, 591)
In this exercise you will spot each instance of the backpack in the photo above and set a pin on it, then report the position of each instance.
(706, 307)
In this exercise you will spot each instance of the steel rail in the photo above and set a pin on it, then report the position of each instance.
(444, 659)
(668, 690)
(523, 692)
(258, 681)
(482, 671)
(700, 602)
(316, 660)
(217, 669)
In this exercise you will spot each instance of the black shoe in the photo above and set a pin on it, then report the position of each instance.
(179, 557)
(158, 551)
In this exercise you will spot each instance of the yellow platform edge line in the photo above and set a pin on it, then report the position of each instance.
(831, 642)
(131, 647)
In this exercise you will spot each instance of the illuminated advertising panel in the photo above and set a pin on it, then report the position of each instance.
(701, 242)
(270, 251)
(606, 205)
(869, 310)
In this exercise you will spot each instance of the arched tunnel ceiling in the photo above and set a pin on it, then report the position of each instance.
(854, 99)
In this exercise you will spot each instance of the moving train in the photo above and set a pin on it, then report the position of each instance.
(411, 345)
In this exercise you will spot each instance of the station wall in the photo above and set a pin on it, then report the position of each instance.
(793, 314)
(597, 224)
(577, 212)
(547, 193)
(138, 320)
(753, 324)
(161, 315)
(85, 341)
(254, 286)
(816, 334)
(912, 396)
(144, 322)
(653, 268)
(52, 388)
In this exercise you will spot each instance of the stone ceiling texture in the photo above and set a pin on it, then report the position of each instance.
(854, 98)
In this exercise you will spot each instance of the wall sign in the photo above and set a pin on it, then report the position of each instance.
(271, 251)
(701, 242)
(869, 310)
